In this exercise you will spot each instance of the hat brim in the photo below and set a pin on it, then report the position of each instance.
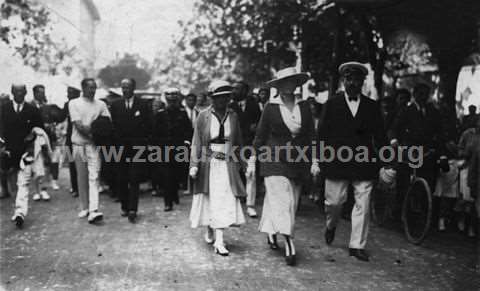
(358, 67)
(300, 78)
(220, 94)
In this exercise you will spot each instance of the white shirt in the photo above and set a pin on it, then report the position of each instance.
(191, 113)
(352, 104)
(215, 127)
(85, 111)
(18, 108)
(243, 104)
(292, 119)
(129, 103)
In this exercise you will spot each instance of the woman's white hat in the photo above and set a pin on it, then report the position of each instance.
(288, 74)
(219, 87)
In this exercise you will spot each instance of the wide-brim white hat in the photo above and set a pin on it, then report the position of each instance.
(290, 73)
(220, 88)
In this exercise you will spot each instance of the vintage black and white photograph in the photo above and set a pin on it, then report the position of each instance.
(239, 145)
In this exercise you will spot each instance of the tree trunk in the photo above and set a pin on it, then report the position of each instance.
(338, 52)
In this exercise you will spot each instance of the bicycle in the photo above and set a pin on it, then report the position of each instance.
(416, 210)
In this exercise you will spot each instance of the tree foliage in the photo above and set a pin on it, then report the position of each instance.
(25, 27)
(250, 39)
(130, 66)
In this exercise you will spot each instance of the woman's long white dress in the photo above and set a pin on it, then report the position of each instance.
(219, 208)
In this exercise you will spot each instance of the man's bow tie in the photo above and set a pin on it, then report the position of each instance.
(353, 98)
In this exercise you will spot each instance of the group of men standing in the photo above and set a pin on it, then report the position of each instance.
(125, 124)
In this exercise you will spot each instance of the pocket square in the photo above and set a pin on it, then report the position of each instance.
(137, 113)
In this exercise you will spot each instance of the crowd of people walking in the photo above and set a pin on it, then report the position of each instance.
(35, 138)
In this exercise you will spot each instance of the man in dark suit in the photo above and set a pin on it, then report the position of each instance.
(18, 120)
(172, 128)
(420, 124)
(248, 113)
(131, 117)
(72, 93)
(350, 120)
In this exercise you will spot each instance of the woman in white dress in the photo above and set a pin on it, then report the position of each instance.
(285, 121)
(217, 186)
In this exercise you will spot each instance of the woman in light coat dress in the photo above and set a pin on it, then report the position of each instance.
(217, 186)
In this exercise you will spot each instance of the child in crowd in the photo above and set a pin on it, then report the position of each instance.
(33, 165)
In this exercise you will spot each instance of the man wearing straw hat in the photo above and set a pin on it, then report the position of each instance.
(350, 120)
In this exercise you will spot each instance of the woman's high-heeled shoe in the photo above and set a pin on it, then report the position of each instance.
(290, 257)
(272, 241)
(209, 236)
(221, 250)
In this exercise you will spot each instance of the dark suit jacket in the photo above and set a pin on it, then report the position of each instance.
(247, 118)
(272, 133)
(132, 127)
(412, 128)
(66, 112)
(16, 126)
(338, 128)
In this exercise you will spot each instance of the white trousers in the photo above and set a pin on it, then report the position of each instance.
(335, 197)
(88, 164)
(25, 178)
(251, 189)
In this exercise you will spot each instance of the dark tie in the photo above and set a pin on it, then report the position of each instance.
(355, 98)
(221, 133)
(18, 108)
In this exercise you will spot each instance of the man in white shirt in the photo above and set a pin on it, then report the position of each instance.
(83, 111)
(192, 111)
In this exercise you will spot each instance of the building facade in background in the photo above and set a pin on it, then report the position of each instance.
(73, 26)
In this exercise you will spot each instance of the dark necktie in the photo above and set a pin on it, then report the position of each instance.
(221, 132)
(353, 98)
(18, 108)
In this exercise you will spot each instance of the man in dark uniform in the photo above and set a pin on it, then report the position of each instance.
(172, 132)
(18, 120)
(132, 122)
(248, 113)
(72, 93)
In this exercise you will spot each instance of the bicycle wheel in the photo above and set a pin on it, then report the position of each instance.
(417, 211)
(380, 206)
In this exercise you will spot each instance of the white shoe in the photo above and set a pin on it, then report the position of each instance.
(251, 212)
(95, 216)
(220, 249)
(36, 197)
(55, 185)
(441, 224)
(44, 195)
(83, 214)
